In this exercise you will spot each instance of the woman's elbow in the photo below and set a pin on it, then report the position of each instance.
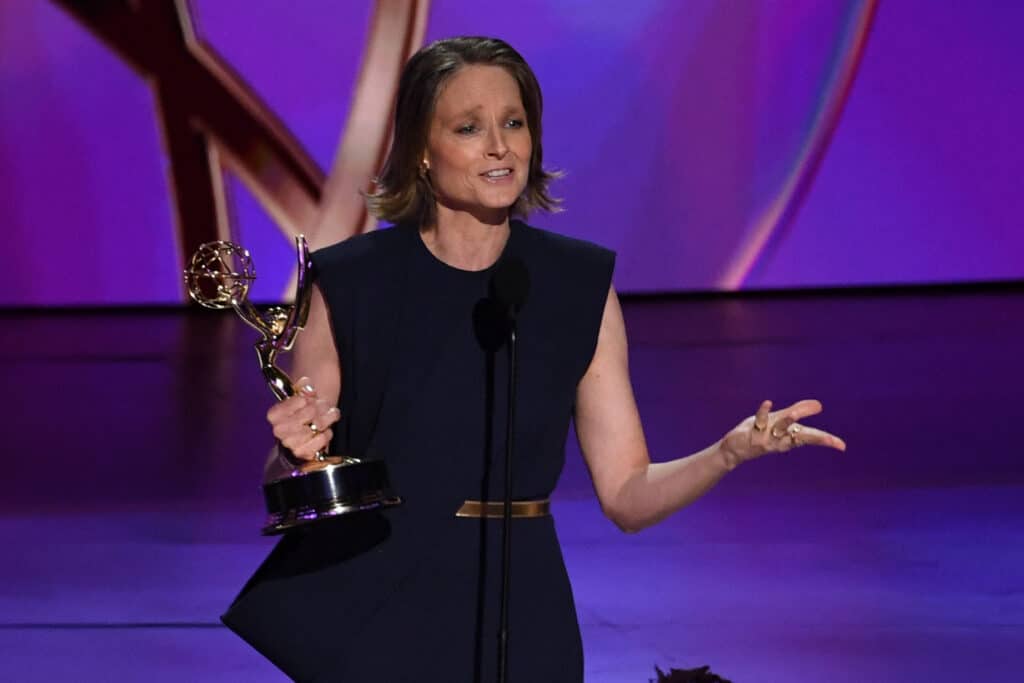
(626, 521)
(620, 503)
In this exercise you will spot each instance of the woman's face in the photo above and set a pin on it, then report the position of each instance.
(478, 148)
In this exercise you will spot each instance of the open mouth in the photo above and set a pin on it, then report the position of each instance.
(497, 173)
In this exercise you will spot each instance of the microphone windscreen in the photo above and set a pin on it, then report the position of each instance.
(511, 283)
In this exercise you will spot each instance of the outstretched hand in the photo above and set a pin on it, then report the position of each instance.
(776, 432)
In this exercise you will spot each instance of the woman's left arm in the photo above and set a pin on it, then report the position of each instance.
(635, 493)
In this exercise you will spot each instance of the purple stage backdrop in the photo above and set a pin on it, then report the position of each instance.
(715, 144)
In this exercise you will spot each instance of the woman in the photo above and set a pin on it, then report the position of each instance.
(401, 361)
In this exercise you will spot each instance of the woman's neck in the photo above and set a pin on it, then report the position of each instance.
(464, 242)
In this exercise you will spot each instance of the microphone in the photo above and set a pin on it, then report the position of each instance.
(510, 287)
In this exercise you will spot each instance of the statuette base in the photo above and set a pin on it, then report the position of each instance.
(319, 490)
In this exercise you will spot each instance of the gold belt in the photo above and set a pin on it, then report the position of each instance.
(496, 509)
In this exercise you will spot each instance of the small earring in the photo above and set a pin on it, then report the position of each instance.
(424, 167)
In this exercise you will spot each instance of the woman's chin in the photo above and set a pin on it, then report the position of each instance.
(485, 209)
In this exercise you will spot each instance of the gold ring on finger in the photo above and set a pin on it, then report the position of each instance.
(777, 434)
(313, 428)
(759, 427)
(792, 431)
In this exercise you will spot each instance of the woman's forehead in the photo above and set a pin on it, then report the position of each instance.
(476, 88)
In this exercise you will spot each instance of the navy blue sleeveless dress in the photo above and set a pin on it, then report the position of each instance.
(411, 593)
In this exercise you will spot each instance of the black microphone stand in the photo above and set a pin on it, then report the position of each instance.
(511, 284)
(506, 526)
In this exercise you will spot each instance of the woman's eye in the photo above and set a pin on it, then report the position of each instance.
(466, 129)
(514, 123)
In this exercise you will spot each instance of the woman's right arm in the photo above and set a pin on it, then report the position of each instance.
(317, 389)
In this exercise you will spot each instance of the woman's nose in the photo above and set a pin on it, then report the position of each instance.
(497, 146)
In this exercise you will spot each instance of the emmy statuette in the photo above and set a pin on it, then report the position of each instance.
(219, 276)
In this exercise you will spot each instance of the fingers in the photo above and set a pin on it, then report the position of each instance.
(794, 413)
(308, 450)
(809, 436)
(758, 428)
(803, 409)
(283, 410)
(784, 432)
(302, 423)
(306, 426)
(326, 414)
(312, 418)
(299, 412)
(761, 417)
(775, 432)
(781, 426)
(303, 389)
(303, 386)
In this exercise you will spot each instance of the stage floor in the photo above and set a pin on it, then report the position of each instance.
(135, 442)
